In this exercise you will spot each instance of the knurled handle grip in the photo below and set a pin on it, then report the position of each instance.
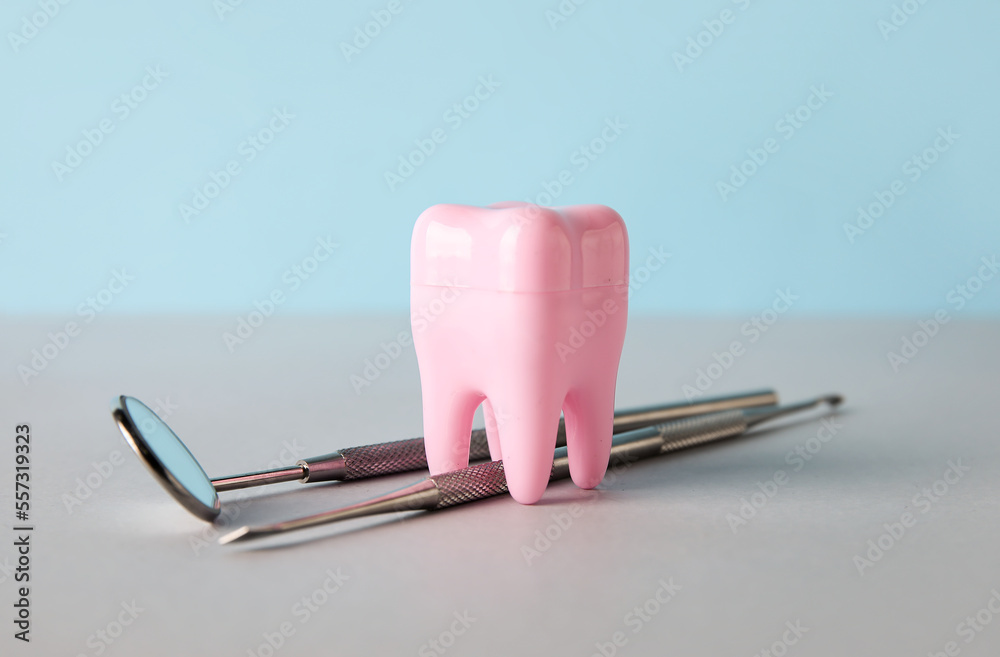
(400, 456)
(469, 484)
(701, 429)
(383, 458)
(488, 479)
(406, 455)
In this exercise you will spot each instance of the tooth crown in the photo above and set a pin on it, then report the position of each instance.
(517, 247)
(523, 309)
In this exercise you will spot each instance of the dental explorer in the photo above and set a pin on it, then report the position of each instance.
(487, 479)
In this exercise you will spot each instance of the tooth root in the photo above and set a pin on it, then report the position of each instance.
(448, 414)
(492, 433)
(528, 426)
(589, 425)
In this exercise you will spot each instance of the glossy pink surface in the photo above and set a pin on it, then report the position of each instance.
(523, 309)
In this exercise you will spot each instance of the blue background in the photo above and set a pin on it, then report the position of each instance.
(324, 175)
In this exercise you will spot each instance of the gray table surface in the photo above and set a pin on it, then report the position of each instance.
(404, 582)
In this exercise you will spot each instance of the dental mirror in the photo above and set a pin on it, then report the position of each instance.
(166, 457)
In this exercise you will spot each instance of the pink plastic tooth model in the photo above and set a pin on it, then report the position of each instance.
(521, 308)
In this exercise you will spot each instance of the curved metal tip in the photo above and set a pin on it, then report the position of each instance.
(832, 399)
(235, 535)
(757, 415)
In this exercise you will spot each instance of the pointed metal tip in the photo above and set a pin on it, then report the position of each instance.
(235, 535)
(832, 399)
(755, 416)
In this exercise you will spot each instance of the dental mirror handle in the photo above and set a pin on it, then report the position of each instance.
(407, 455)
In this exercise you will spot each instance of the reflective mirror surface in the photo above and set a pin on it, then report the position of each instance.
(166, 456)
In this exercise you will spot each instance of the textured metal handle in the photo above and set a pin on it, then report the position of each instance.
(400, 456)
(384, 458)
(407, 455)
(469, 484)
(692, 431)
(488, 479)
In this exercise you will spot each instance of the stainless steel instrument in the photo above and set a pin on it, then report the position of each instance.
(485, 480)
(173, 465)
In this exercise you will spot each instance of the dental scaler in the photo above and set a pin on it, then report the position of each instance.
(486, 480)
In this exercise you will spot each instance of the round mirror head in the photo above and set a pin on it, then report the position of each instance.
(166, 457)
